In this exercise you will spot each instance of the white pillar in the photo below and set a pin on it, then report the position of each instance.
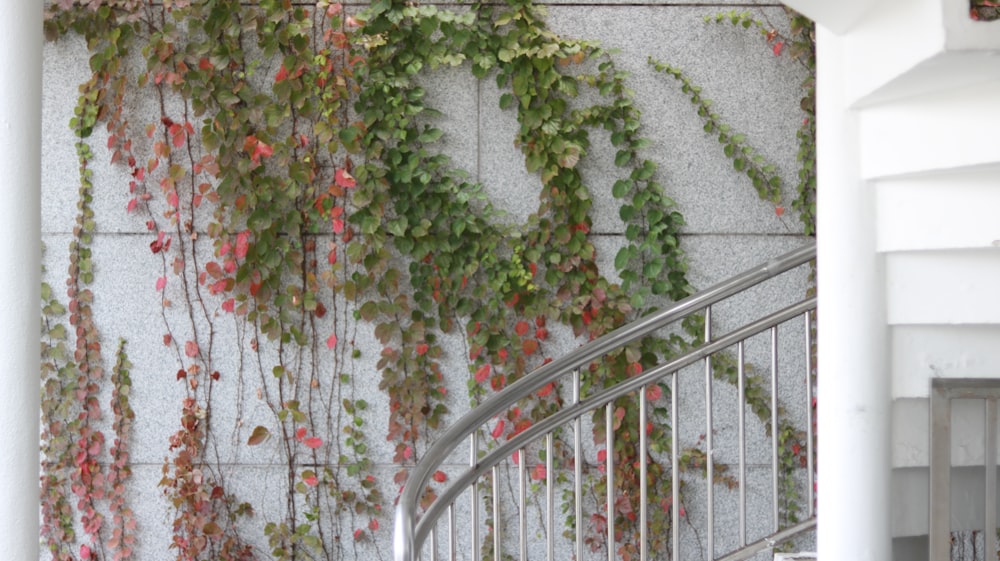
(854, 393)
(20, 262)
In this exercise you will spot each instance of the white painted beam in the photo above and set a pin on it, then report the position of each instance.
(838, 17)
(935, 132)
(946, 210)
(904, 48)
(943, 287)
(922, 352)
(20, 254)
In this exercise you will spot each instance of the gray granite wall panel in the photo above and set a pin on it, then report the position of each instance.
(728, 229)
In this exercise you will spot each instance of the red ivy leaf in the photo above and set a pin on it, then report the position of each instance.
(339, 40)
(440, 476)
(483, 373)
(313, 442)
(498, 430)
(777, 47)
(546, 389)
(221, 286)
(538, 473)
(262, 150)
(422, 349)
(521, 328)
(191, 349)
(242, 244)
(177, 136)
(529, 346)
(282, 74)
(331, 342)
(653, 393)
(344, 179)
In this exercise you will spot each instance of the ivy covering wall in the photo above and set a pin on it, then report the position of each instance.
(287, 242)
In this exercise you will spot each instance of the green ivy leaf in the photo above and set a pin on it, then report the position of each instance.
(260, 434)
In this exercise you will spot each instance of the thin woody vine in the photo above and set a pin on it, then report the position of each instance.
(294, 194)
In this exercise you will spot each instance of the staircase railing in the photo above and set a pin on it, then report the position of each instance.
(416, 524)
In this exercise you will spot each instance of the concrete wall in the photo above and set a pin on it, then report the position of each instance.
(728, 229)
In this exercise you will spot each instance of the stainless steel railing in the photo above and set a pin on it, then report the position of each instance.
(415, 530)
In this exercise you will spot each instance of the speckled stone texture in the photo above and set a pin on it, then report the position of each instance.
(728, 230)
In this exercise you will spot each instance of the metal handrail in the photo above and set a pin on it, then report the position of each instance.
(410, 534)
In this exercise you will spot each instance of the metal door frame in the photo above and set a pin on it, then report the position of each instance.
(943, 390)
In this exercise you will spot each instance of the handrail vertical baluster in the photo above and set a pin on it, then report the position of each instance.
(522, 500)
(741, 437)
(433, 543)
(643, 476)
(675, 474)
(550, 499)
(709, 452)
(452, 538)
(474, 491)
(578, 468)
(811, 491)
(609, 469)
(774, 426)
(497, 526)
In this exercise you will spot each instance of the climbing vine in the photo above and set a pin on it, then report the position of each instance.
(984, 10)
(800, 45)
(293, 187)
(76, 465)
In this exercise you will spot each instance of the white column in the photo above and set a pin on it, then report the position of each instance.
(20, 262)
(854, 394)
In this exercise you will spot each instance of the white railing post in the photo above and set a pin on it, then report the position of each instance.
(20, 269)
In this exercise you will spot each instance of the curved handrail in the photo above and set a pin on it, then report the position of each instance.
(408, 535)
(586, 405)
